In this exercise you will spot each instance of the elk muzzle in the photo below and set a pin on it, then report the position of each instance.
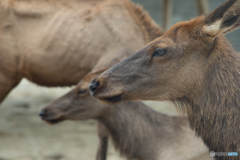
(93, 86)
(43, 113)
(50, 117)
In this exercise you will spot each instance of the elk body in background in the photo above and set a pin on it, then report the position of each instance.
(194, 66)
(58, 43)
(137, 131)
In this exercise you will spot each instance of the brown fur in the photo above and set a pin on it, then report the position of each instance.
(149, 28)
(137, 132)
(41, 40)
(192, 65)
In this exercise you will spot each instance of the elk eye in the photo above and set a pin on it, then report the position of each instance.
(82, 91)
(159, 52)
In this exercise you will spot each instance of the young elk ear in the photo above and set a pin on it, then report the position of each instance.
(223, 19)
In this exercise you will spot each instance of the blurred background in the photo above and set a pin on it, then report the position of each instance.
(24, 136)
(184, 10)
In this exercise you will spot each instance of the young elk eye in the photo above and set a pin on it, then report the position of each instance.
(82, 91)
(159, 52)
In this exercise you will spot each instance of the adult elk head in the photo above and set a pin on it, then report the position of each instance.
(173, 66)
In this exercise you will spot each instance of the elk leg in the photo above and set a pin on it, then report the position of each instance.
(103, 145)
(7, 84)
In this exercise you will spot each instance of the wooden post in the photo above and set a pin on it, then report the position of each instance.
(203, 7)
(167, 15)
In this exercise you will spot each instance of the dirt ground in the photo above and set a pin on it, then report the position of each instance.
(24, 136)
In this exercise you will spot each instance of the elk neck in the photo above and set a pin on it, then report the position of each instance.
(149, 27)
(215, 108)
(132, 125)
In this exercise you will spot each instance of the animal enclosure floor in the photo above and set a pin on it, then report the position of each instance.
(24, 136)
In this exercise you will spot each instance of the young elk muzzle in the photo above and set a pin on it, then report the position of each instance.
(193, 65)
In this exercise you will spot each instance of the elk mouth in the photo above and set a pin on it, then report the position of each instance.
(111, 100)
(53, 120)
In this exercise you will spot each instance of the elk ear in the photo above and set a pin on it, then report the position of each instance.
(223, 19)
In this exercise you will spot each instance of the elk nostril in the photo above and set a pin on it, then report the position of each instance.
(43, 113)
(93, 86)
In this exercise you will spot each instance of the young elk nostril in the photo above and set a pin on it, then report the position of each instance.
(43, 113)
(93, 86)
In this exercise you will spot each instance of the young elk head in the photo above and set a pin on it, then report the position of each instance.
(75, 105)
(172, 66)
